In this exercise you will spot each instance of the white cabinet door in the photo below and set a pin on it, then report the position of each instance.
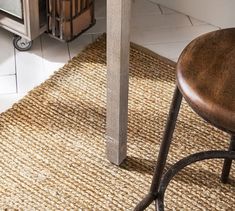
(218, 12)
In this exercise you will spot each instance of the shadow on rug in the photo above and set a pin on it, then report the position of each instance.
(52, 143)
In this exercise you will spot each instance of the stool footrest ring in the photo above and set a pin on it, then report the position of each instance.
(174, 169)
(178, 166)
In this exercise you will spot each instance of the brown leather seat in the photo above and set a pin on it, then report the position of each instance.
(206, 77)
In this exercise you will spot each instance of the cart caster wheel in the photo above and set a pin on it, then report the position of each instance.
(22, 44)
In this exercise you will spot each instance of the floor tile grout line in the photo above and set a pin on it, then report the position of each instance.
(190, 20)
(69, 51)
(7, 94)
(147, 29)
(11, 74)
(40, 39)
(16, 72)
(164, 43)
(161, 43)
(160, 8)
(42, 53)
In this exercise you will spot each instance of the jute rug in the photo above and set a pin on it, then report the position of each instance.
(52, 143)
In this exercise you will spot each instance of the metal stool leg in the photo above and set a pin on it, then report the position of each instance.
(164, 149)
(228, 162)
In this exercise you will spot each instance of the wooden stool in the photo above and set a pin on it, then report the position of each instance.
(205, 75)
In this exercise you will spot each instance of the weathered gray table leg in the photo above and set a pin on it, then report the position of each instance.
(118, 42)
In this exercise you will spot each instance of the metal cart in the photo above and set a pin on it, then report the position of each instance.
(62, 19)
(25, 18)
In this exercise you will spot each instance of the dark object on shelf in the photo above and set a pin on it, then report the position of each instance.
(67, 19)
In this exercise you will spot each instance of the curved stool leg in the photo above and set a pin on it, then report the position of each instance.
(178, 166)
(228, 162)
(164, 148)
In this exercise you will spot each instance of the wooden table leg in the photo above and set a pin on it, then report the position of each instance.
(118, 45)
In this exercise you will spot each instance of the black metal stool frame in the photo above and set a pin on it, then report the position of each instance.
(160, 181)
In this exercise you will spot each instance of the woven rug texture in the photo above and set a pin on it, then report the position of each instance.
(52, 142)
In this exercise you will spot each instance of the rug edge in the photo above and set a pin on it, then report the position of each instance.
(153, 54)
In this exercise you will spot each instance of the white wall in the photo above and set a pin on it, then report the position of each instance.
(217, 12)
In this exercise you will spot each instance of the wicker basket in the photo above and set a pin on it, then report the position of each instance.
(67, 19)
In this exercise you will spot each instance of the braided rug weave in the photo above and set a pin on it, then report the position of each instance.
(52, 142)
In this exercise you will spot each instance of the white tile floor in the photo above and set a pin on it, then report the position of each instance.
(158, 28)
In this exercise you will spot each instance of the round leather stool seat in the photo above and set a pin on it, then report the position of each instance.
(206, 77)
